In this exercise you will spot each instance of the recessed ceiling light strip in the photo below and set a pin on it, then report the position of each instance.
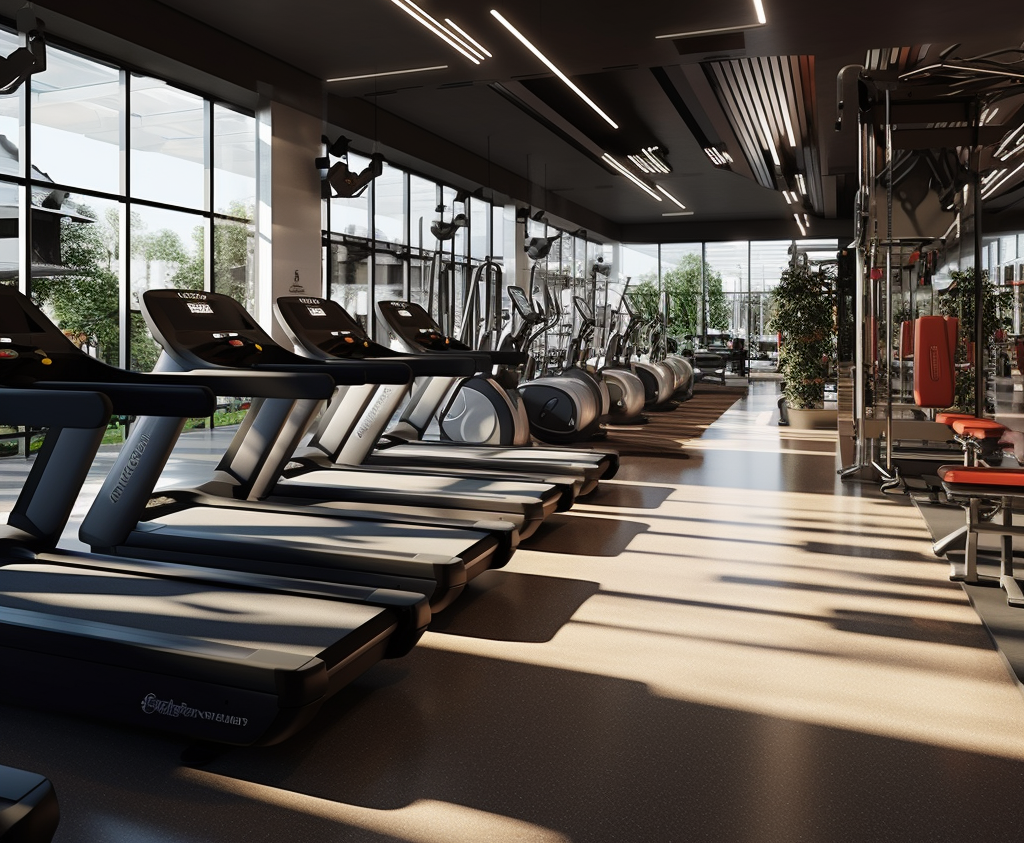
(664, 192)
(523, 40)
(759, 11)
(693, 33)
(407, 7)
(468, 37)
(991, 189)
(728, 87)
(1006, 141)
(629, 175)
(386, 73)
(764, 107)
(640, 163)
(458, 41)
(655, 161)
(800, 225)
(784, 104)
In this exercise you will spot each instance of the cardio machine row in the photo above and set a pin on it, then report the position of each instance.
(230, 611)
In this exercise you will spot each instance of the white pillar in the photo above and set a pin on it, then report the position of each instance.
(288, 220)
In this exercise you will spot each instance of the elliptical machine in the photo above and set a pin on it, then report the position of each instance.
(625, 388)
(659, 381)
(566, 359)
(560, 409)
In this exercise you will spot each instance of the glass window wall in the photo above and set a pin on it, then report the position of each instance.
(167, 130)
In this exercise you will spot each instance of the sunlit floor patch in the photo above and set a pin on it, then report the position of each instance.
(424, 821)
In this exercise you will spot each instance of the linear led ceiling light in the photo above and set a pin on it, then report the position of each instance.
(718, 158)
(800, 225)
(522, 39)
(657, 159)
(801, 183)
(469, 38)
(435, 26)
(669, 196)
(995, 185)
(692, 33)
(387, 73)
(606, 157)
(650, 160)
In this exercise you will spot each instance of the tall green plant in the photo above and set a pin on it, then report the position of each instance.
(803, 312)
(685, 285)
(958, 300)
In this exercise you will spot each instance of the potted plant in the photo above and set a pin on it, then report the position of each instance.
(803, 314)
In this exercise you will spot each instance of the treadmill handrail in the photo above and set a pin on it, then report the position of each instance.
(78, 409)
(340, 332)
(143, 399)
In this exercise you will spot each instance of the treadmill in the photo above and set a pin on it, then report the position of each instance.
(207, 526)
(28, 807)
(325, 337)
(229, 336)
(223, 657)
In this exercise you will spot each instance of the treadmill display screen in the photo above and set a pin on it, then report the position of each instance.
(316, 311)
(199, 307)
(405, 313)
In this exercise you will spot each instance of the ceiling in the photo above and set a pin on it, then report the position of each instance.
(529, 137)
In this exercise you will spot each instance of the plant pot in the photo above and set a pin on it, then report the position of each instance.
(812, 419)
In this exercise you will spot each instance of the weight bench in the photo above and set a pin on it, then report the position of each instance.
(979, 439)
(970, 486)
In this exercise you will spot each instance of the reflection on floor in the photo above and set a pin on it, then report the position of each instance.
(731, 647)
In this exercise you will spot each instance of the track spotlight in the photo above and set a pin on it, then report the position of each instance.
(447, 230)
(600, 267)
(537, 248)
(342, 181)
(26, 60)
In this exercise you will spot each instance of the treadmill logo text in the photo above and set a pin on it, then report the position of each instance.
(169, 708)
(311, 301)
(126, 473)
(372, 413)
(193, 296)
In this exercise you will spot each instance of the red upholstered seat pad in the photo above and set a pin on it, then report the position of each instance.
(979, 428)
(970, 475)
(949, 418)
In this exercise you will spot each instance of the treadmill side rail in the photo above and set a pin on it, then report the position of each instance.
(28, 807)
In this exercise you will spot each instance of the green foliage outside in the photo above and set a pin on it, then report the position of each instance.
(803, 308)
(958, 300)
(9, 447)
(85, 303)
(682, 287)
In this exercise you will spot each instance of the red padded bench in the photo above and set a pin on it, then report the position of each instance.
(970, 485)
(979, 437)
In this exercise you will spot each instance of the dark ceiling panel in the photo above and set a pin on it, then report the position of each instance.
(610, 51)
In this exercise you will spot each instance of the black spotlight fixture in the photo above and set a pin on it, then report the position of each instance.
(16, 68)
(338, 180)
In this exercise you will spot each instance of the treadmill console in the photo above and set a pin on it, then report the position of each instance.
(211, 327)
(326, 326)
(33, 349)
(415, 327)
